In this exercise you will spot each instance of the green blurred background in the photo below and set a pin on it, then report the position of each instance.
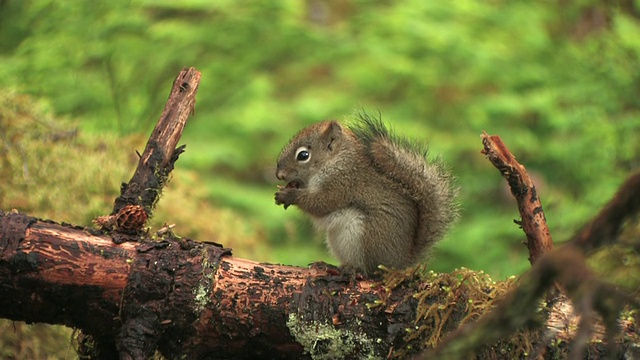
(82, 84)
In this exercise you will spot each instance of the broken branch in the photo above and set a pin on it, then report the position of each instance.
(160, 153)
(534, 223)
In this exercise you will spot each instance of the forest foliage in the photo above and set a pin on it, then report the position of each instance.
(558, 81)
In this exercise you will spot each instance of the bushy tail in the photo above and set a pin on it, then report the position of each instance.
(428, 183)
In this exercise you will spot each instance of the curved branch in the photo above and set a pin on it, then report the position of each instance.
(533, 221)
(565, 266)
(606, 226)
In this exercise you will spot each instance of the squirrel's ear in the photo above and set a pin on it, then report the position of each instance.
(332, 132)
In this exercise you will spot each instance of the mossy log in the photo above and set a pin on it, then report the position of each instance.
(194, 300)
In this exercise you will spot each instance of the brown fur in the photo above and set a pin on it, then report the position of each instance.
(377, 197)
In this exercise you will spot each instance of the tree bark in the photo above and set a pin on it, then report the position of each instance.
(193, 299)
(160, 153)
(533, 221)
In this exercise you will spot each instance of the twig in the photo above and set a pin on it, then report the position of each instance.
(534, 223)
(605, 227)
(160, 153)
(520, 308)
(565, 266)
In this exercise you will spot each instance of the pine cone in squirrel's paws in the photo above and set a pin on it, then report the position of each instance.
(281, 196)
(286, 195)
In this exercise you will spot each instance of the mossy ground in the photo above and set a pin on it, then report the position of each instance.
(52, 171)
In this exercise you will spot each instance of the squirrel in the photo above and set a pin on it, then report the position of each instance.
(379, 199)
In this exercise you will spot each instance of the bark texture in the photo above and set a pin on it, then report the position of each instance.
(160, 153)
(193, 299)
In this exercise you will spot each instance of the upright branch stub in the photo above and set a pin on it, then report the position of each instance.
(160, 153)
(533, 222)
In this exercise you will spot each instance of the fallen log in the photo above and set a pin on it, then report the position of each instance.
(193, 299)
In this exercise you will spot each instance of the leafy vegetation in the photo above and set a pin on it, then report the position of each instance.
(557, 81)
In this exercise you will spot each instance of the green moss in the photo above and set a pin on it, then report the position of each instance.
(37, 341)
(323, 341)
(447, 301)
(203, 291)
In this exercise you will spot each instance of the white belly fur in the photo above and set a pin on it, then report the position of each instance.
(344, 230)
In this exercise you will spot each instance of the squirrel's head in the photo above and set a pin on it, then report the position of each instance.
(310, 151)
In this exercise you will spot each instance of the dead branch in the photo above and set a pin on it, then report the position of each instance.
(160, 153)
(606, 226)
(565, 266)
(523, 189)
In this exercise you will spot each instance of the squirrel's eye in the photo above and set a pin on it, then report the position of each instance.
(302, 154)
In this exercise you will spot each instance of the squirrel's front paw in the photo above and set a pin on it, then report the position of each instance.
(286, 196)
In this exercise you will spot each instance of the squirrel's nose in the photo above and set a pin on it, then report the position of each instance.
(280, 174)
